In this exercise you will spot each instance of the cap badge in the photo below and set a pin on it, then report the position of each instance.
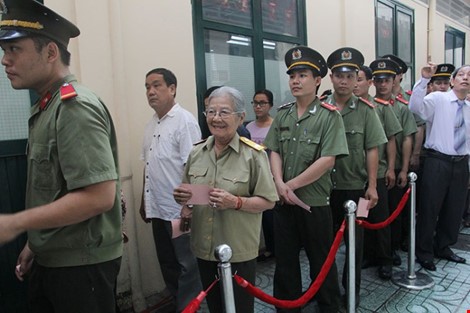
(346, 55)
(3, 7)
(444, 69)
(381, 65)
(296, 54)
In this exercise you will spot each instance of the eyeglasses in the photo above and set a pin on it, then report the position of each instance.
(259, 103)
(223, 114)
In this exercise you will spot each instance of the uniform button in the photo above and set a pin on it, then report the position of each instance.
(334, 170)
(328, 202)
(297, 124)
(353, 132)
(294, 139)
(289, 168)
(209, 219)
(292, 152)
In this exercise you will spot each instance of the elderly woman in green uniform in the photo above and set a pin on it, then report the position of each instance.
(238, 171)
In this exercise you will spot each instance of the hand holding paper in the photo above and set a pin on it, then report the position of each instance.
(200, 194)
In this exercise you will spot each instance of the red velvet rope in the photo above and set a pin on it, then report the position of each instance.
(312, 290)
(391, 218)
(194, 305)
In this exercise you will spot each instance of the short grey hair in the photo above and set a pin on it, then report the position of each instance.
(236, 96)
(454, 73)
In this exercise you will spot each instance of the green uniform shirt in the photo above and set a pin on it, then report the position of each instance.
(408, 124)
(301, 141)
(363, 132)
(391, 127)
(72, 144)
(242, 171)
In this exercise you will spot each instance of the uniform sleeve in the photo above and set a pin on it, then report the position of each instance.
(333, 142)
(409, 123)
(272, 141)
(374, 132)
(84, 135)
(391, 124)
(263, 182)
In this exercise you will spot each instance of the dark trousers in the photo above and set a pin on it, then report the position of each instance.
(244, 302)
(177, 263)
(377, 243)
(399, 226)
(295, 228)
(443, 196)
(337, 200)
(77, 289)
(268, 230)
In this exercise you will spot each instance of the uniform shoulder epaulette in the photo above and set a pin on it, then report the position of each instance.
(329, 106)
(67, 92)
(400, 99)
(199, 142)
(384, 102)
(286, 105)
(323, 97)
(251, 143)
(409, 92)
(367, 102)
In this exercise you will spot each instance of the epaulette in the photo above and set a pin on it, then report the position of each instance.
(384, 102)
(199, 142)
(67, 92)
(367, 102)
(323, 97)
(402, 100)
(251, 143)
(409, 92)
(286, 105)
(329, 106)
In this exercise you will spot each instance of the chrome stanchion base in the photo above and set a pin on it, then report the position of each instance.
(419, 282)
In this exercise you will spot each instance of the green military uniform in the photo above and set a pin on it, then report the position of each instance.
(240, 170)
(63, 158)
(301, 141)
(363, 131)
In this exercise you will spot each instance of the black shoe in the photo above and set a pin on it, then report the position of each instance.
(452, 257)
(265, 257)
(466, 223)
(429, 265)
(385, 272)
(368, 263)
(396, 258)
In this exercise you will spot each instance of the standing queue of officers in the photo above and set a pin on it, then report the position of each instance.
(344, 145)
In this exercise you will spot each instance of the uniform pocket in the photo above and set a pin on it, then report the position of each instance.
(355, 138)
(43, 169)
(309, 147)
(197, 175)
(236, 182)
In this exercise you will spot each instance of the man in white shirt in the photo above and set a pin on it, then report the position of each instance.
(445, 173)
(169, 137)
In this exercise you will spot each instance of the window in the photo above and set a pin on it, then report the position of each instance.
(454, 46)
(395, 34)
(241, 43)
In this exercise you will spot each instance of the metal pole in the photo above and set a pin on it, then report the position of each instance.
(223, 253)
(350, 208)
(410, 279)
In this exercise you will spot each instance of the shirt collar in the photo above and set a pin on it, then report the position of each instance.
(234, 144)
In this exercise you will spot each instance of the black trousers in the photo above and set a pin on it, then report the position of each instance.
(78, 289)
(295, 228)
(399, 226)
(337, 200)
(377, 243)
(443, 196)
(244, 302)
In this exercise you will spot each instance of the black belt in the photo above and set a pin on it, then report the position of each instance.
(449, 158)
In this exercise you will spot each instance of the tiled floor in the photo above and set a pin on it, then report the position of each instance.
(450, 294)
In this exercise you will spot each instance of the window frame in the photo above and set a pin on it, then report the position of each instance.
(455, 33)
(256, 33)
(398, 8)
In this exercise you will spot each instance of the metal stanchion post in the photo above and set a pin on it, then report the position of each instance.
(350, 208)
(223, 253)
(411, 279)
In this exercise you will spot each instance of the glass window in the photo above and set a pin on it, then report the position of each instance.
(395, 35)
(228, 12)
(229, 62)
(454, 46)
(280, 17)
(277, 79)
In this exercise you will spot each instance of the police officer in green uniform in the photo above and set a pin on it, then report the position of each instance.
(440, 80)
(73, 214)
(377, 243)
(354, 176)
(305, 138)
